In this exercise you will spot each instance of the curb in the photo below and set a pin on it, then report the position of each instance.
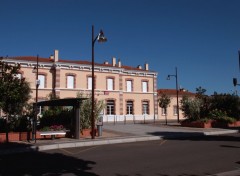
(220, 132)
(229, 173)
(128, 139)
(99, 142)
(79, 144)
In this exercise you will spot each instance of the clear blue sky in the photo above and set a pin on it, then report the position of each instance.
(200, 37)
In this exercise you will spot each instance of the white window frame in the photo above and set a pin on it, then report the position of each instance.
(175, 112)
(89, 83)
(70, 82)
(144, 86)
(145, 106)
(41, 79)
(109, 83)
(110, 107)
(129, 85)
(164, 111)
(129, 107)
(18, 75)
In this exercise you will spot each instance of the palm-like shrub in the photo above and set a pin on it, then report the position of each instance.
(86, 112)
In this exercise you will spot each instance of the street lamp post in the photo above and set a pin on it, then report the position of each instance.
(1, 75)
(34, 130)
(176, 76)
(100, 38)
(1, 68)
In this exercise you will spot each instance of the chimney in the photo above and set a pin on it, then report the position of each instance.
(56, 53)
(106, 63)
(139, 67)
(146, 66)
(119, 63)
(51, 57)
(113, 61)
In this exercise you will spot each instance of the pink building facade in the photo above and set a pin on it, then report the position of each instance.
(171, 113)
(130, 93)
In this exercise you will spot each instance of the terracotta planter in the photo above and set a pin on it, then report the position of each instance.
(15, 136)
(237, 124)
(197, 124)
(226, 125)
(23, 136)
(87, 133)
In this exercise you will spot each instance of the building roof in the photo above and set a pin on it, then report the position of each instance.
(173, 92)
(84, 62)
(62, 102)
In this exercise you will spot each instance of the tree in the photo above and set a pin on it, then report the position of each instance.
(191, 108)
(227, 103)
(86, 110)
(200, 91)
(205, 101)
(14, 93)
(216, 107)
(164, 102)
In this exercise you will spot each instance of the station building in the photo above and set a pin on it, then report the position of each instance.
(130, 93)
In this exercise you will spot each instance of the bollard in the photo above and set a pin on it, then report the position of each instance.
(99, 128)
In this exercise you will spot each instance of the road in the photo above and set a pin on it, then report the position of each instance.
(182, 157)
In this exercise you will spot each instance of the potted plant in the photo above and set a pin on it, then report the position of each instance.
(86, 114)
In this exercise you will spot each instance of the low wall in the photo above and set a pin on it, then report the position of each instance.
(22, 136)
(210, 124)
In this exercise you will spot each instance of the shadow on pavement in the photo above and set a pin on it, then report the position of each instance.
(161, 175)
(195, 136)
(12, 147)
(40, 163)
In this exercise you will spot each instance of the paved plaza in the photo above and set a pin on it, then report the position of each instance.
(117, 133)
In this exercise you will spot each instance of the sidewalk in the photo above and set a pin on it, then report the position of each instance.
(117, 133)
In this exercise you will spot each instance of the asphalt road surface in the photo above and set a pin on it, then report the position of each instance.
(182, 157)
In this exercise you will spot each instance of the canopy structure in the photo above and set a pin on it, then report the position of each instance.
(75, 102)
(62, 102)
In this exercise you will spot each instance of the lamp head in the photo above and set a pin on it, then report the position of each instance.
(101, 38)
(234, 81)
(34, 69)
(168, 77)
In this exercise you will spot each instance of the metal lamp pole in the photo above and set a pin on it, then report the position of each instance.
(93, 114)
(177, 91)
(100, 38)
(34, 130)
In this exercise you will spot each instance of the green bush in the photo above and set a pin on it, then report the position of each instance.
(221, 116)
(57, 117)
(86, 112)
(22, 124)
(227, 119)
(46, 128)
(191, 108)
(19, 124)
(216, 114)
(219, 107)
(2, 125)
